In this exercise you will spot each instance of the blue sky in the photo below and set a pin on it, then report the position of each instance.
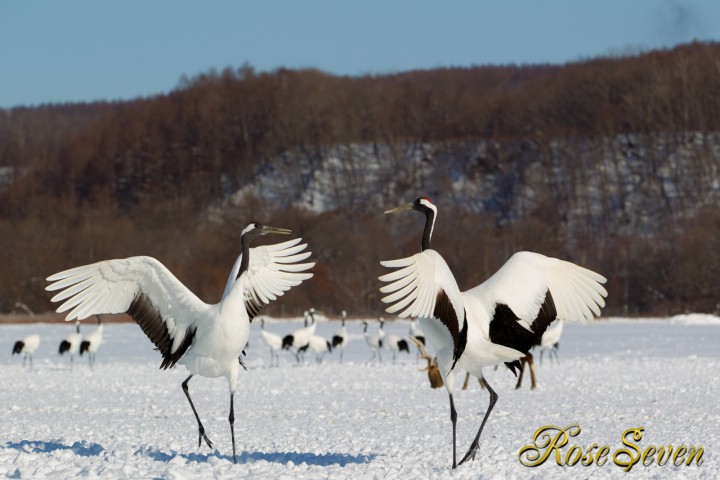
(85, 50)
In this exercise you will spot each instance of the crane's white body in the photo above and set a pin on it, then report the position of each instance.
(374, 341)
(521, 284)
(94, 339)
(552, 335)
(415, 331)
(497, 321)
(92, 342)
(273, 342)
(301, 337)
(220, 330)
(207, 339)
(73, 343)
(550, 341)
(320, 346)
(29, 344)
(340, 337)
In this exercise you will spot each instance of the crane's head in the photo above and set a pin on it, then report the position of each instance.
(427, 208)
(422, 204)
(256, 229)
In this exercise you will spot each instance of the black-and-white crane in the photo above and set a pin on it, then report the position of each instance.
(71, 343)
(299, 340)
(340, 337)
(375, 342)
(497, 321)
(320, 346)
(550, 341)
(92, 341)
(416, 332)
(273, 342)
(394, 343)
(27, 347)
(207, 339)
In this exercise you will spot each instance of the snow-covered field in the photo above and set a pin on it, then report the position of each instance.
(124, 418)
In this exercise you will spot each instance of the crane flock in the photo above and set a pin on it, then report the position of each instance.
(496, 322)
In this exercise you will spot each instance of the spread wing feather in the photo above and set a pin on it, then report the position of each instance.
(273, 270)
(522, 282)
(424, 287)
(142, 287)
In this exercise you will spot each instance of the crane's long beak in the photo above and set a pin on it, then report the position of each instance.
(401, 208)
(280, 231)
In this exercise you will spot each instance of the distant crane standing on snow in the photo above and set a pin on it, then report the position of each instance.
(416, 332)
(71, 343)
(340, 338)
(320, 346)
(27, 347)
(374, 341)
(497, 321)
(394, 343)
(92, 341)
(273, 341)
(299, 340)
(549, 341)
(207, 339)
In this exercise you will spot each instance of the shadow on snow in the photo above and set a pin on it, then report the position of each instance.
(82, 449)
(319, 459)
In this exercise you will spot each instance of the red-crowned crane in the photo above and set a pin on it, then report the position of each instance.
(299, 340)
(549, 341)
(92, 341)
(71, 343)
(394, 343)
(27, 347)
(273, 342)
(375, 342)
(340, 337)
(497, 321)
(206, 339)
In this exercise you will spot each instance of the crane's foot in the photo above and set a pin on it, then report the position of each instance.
(470, 455)
(202, 436)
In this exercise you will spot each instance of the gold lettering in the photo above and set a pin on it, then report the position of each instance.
(573, 461)
(679, 453)
(544, 442)
(552, 439)
(636, 434)
(588, 457)
(664, 454)
(647, 458)
(697, 454)
(602, 454)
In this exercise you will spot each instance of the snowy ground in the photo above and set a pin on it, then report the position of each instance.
(124, 418)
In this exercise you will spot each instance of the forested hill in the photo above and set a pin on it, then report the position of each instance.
(611, 162)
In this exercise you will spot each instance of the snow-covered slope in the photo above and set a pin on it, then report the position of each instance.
(632, 180)
(124, 418)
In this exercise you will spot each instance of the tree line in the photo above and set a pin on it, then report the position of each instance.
(611, 162)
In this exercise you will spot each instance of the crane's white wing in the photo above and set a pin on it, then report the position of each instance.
(143, 288)
(423, 287)
(272, 271)
(523, 282)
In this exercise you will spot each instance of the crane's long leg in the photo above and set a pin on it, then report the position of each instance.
(201, 429)
(453, 419)
(231, 418)
(474, 446)
(530, 362)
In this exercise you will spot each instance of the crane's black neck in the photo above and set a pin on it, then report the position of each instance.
(245, 261)
(429, 225)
